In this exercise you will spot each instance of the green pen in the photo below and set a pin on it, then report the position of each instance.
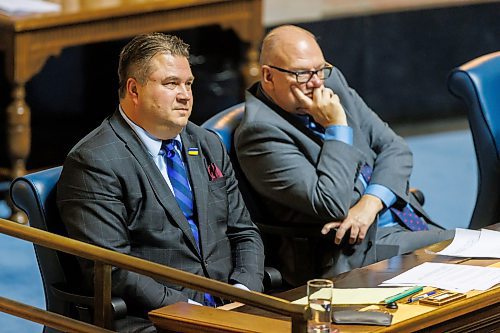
(403, 294)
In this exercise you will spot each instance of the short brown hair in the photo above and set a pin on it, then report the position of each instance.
(135, 57)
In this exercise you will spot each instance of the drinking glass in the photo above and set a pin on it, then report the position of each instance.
(319, 300)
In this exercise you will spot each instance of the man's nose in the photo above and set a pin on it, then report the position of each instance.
(183, 92)
(315, 81)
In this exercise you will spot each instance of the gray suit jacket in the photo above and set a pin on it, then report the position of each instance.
(305, 180)
(111, 194)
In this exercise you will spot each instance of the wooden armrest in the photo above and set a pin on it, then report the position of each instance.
(190, 318)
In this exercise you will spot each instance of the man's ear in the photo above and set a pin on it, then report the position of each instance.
(267, 75)
(132, 89)
(267, 81)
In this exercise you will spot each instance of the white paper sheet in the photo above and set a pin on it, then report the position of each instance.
(19, 7)
(459, 278)
(474, 244)
(358, 295)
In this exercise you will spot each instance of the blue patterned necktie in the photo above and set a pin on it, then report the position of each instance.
(317, 129)
(182, 192)
(180, 184)
(405, 215)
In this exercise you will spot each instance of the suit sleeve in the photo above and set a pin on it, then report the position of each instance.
(393, 159)
(281, 169)
(91, 204)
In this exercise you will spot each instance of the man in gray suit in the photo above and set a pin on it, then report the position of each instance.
(117, 190)
(317, 155)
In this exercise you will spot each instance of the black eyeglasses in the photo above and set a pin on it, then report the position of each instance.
(306, 76)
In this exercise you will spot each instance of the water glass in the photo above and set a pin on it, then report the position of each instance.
(319, 300)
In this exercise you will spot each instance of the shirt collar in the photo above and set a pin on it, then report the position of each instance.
(153, 144)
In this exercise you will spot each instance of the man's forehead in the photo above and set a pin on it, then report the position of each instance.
(301, 62)
(170, 66)
(303, 53)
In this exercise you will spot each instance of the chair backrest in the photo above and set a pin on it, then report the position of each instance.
(225, 123)
(477, 84)
(35, 195)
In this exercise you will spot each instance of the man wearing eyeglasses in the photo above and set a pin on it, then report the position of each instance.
(319, 156)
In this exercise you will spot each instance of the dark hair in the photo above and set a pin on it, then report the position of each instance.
(135, 57)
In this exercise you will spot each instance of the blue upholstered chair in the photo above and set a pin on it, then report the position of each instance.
(225, 123)
(61, 274)
(477, 84)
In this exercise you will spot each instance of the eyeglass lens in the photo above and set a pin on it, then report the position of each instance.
(304, 77)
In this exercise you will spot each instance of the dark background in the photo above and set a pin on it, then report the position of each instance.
(397, 62)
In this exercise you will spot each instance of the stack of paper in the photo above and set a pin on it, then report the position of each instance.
(459, 278)
(20, 7)
(474, 244)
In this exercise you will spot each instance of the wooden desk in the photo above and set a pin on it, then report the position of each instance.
(479, 312)
(29, 40)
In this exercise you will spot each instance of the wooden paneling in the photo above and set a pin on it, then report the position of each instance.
(285, 11)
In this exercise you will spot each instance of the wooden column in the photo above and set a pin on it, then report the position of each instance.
(22, 63)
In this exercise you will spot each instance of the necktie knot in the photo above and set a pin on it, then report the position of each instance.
(170, 146)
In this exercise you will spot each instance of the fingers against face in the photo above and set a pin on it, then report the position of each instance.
(323, 105)
(303, 100)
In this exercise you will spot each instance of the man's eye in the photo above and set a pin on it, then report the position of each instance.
(170, 85)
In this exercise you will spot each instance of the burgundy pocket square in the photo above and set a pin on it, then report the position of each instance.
(214, 172)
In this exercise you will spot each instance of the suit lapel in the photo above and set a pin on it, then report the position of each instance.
(155, 178)
(199, 182)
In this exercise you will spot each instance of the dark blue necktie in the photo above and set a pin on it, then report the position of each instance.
(317, 129)
(405, 215)
(182, 192)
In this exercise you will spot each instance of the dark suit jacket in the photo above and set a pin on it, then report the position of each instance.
(112, 194)
(305, 180)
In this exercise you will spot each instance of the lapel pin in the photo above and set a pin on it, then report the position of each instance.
(193, 151)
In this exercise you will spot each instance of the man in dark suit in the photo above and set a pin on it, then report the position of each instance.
(318, 155)
(117, 189)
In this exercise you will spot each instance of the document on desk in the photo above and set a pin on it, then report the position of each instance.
(454, 277)
(20, 7)
(467, 243)
(359, 296)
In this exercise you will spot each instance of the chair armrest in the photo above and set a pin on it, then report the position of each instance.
(272, 279)
(85, 303)
(419, 195)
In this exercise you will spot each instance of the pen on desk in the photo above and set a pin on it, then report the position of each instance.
(419, 297)
(403, 294)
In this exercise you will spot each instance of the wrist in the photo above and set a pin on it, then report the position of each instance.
(338, 121)
(372, 202)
